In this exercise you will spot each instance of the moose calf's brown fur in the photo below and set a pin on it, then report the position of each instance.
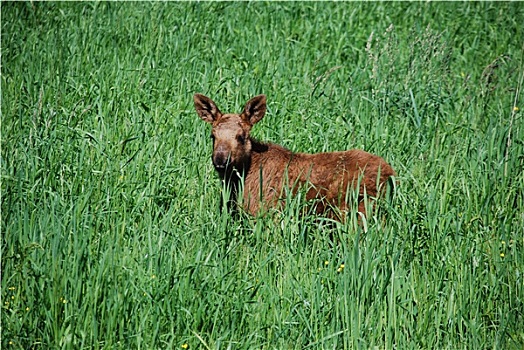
(268, 170)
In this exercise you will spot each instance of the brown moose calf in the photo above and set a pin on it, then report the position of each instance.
(268, 171)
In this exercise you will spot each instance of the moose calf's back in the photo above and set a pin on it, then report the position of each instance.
(269, 170)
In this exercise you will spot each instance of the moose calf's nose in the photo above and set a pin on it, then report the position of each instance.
(220, 160)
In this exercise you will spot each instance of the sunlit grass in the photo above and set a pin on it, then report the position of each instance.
(111, 233)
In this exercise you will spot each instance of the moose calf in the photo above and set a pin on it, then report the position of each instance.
(269, 171)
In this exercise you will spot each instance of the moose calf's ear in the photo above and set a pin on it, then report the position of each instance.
(206, 108)
(255, 109)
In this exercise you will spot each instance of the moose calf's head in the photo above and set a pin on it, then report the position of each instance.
(230, 132)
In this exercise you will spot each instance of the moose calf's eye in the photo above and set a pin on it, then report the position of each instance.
(241, 139)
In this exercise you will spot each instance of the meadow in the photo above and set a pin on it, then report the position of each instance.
(112, 237)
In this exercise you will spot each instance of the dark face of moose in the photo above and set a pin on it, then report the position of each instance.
(230, 132)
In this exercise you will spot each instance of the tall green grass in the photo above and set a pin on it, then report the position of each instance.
(111, 233)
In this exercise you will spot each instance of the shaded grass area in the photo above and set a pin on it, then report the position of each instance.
(111, 233)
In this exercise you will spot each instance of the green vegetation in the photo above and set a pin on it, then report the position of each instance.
(111, 233)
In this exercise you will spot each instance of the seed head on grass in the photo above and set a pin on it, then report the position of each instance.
(341, 268)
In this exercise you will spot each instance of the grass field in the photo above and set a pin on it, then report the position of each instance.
(111, 233)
